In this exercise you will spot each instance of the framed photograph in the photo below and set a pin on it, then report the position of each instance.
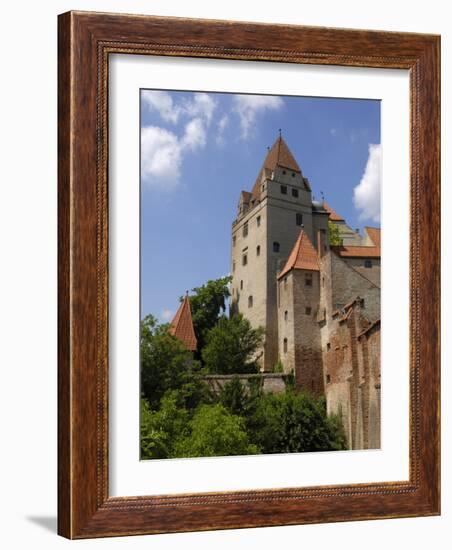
(248, 275)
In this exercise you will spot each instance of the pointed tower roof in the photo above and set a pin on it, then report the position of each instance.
(182, 325)
(278, 155)
(303, 256)
(334, 216)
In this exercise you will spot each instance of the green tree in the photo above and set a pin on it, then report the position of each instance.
(166, 364)
(231, 346)
(294, 422)
(207, 303)
(334, 235)
(215, 432)
(160, 430)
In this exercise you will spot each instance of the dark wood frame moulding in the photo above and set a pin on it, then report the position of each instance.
(85, 41)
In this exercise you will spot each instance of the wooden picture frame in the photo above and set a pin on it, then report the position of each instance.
(85, 42)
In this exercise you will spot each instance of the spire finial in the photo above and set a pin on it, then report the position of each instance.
(280, 133)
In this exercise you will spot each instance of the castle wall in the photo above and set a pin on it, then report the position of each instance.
(371, 273)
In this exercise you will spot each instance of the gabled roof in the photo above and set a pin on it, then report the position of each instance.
(374, 234)
(303, 256)
(357, 251)
(182, 325)
(334, 216)
(278, 155)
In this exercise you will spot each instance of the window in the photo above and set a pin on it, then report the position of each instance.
(367, 263)
(233, 266)
(258, 250)
(323, 281)
(308, 310)
(258, 220)
(233, 240)
(276, 247)
(284, 189)
(263, 187)
(285, 282)
(245, 229)
(284, 172)
(328, 346)
(250, 301)
(241, 285)
(308, 279)
(286, 315)
(244, 259)
(293, 175)
(294, 191)
(299, 218)
(285, 345)
(328, 378)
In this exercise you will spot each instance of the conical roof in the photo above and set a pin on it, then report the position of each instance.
(303, 256)
(278, 155)
(182, 325)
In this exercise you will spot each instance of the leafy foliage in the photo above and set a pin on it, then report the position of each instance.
(207, 304)
(215, 432)
(334, 234)
(294, 422)
(231, 346)
(166, 364)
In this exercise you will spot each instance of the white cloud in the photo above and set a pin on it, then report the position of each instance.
(333, 131)
(200, 105)
(248, 107)
(163, 103)
(223, 123)
(161, 156)
(195, 135)
(162, 152)
(366, 195)
(166, 315)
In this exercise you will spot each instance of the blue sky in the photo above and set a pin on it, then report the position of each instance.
(199, 150)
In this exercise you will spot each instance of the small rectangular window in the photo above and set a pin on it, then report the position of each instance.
(328, 346)
(258, 250)
(241, 285)
(245, 229)
(294, 191)
(308, 279)
(244, 259)
(308, 311)
(284, 189)
(299, 218)
(275, 247)
(285, 345)
(233, 240)
(328, 378)
(250, 301)
(367, 263)
(233, 266)
(258, 220)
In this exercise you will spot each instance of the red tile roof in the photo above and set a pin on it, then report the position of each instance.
(303, 256)
(182, 325)
(334, 216)
(278, 155)
(357, 251)
(374, 234)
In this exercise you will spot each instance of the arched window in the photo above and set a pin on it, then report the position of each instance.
(250, 301)
(258, 250)
(285, 345)
(276, 246)
(286, 315)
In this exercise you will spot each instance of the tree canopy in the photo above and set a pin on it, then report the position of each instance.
(334, 234)
(231, 346)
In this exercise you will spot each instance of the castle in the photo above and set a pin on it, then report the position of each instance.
(319, 304)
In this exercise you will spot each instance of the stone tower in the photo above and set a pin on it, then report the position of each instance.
(268, 223)
(298, 300)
